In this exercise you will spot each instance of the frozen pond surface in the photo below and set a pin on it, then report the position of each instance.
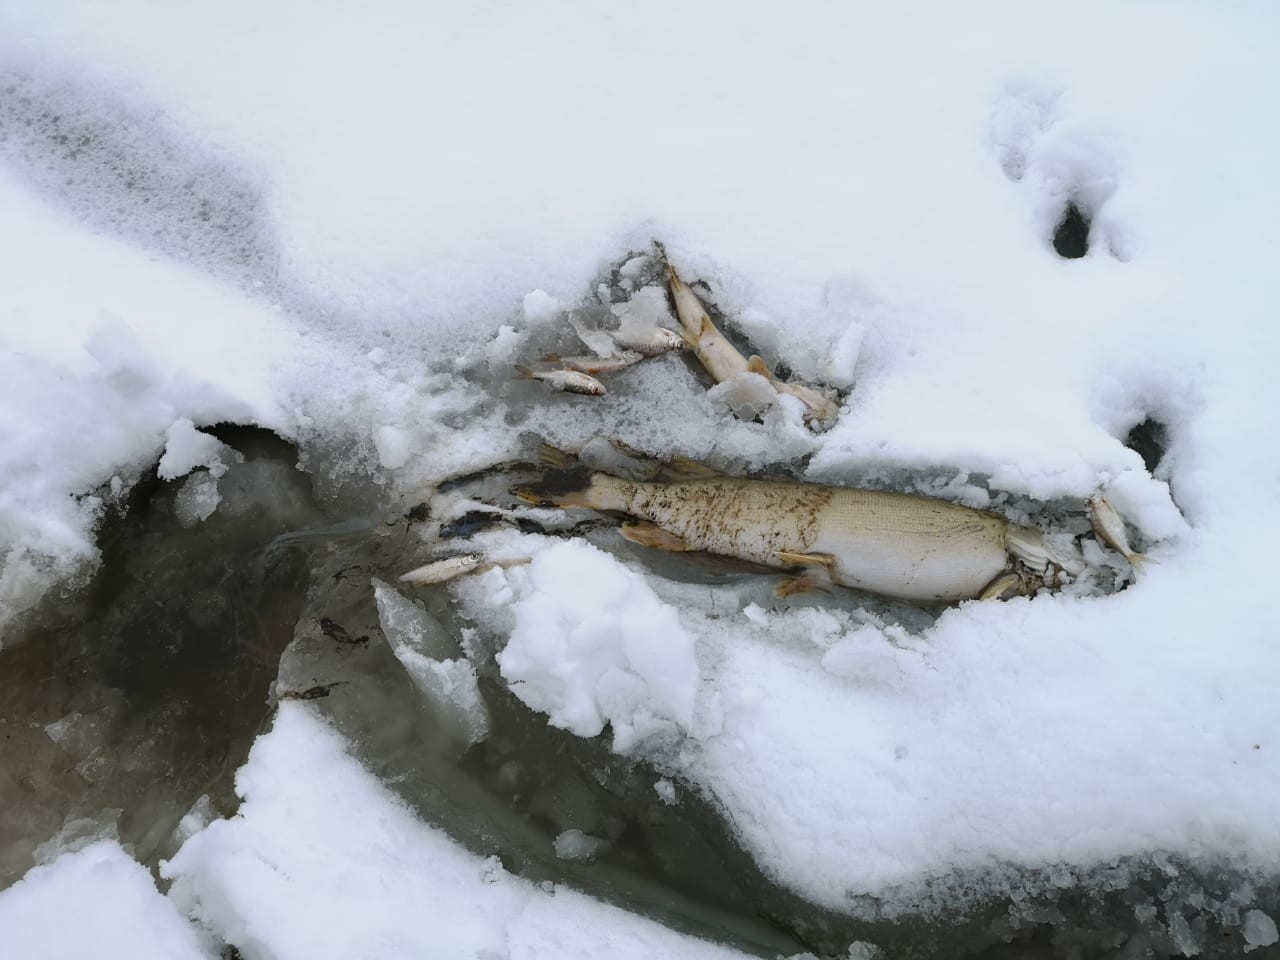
(1034, 256)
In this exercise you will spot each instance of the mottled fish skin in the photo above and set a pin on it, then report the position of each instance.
(1109, 526)
(441, 571)
(893, 544)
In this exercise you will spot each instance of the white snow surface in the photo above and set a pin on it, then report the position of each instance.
(593, 645)
(870, 195)
(95, 902)
(323, 861)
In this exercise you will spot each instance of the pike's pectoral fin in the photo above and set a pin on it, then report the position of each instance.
(1001, 585)
(680, 469)
(757, 365)
(807, 582)
(824, 560)
(651, 535)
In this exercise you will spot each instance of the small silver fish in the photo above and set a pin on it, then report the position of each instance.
(442, 571)
(650, 342)
(596, 366)
(1109, 526)
(570, 381)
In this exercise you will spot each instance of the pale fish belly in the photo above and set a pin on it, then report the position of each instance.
(751, 519)
(914, 548)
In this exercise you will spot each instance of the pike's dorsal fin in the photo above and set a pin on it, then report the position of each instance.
(651, 535)
(682, 469)
(757, 365)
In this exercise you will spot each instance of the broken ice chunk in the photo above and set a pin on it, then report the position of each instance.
(420, 643)
(576, 845)
(1259, 930)
(197, 499)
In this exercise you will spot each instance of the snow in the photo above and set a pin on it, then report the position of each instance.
(403, 202)
(94, 902)
(323, 861)
(594, 645)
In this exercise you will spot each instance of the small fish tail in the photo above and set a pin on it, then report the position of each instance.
(525, 372)
(1139, 562)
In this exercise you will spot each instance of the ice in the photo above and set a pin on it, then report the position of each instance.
(1259, 930)
(593, 645)
(196, 499)
(95, 902)
(420, 644)
(322, 861)
(576, 845)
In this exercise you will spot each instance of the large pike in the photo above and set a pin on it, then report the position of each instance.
(894, 544)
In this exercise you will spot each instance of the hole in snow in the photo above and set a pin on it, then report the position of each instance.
(1071, 237)
(1149, 440)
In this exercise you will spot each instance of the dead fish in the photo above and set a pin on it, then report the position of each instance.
(1109, 526)
(441, 571)
(894, 544)
(650, 342)
(569, 381)
(720, 358)
(597, 366)
(723, 361)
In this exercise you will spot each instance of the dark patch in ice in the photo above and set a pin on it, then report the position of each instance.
(1071, 236)
(1149, 440)
(126, 702)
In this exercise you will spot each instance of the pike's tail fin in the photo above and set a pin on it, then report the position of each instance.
(525, 372)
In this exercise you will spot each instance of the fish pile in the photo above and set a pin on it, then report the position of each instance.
(636, 340)
(902, 546)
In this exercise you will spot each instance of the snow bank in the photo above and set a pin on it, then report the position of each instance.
(95, 902)
(593, 645)
(323, 861)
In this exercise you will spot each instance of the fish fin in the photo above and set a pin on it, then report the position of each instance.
(651, 535)
(1139, 562)
(1001, 585)
(559, 488)
(807, 582)
(525, 372)
(682, 469)
(551, 357)
(824, 560)
(757, 365)
(555, 458)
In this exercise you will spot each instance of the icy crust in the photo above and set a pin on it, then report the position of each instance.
(95, 902)
(323, 861)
